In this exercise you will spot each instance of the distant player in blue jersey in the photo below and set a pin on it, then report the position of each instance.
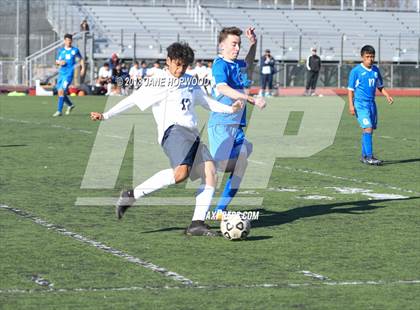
(67, 60)
(227, 141)
(364, 79)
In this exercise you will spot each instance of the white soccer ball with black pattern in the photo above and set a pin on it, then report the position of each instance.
(235, 227)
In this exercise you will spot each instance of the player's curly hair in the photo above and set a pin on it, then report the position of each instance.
(367, 49)
(181, 51)
(227, 31)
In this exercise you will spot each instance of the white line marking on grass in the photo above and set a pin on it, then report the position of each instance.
(99, 245)
(209, 287)
(67, 128)
(399, 139)
(347, 179)
(316, 197)
(313, 275)
(348, 190)
(283, 189)
(366, 192)
(384, 196)
(157, 201)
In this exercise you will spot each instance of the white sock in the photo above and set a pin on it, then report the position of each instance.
(161, 179)
(202, 203)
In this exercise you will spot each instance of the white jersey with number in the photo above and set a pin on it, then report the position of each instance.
(172, 101)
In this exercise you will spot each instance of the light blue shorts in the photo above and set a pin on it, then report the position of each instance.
(366, 114)
(226, 142)
(64, 81)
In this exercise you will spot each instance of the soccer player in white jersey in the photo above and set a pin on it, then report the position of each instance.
(173, 103)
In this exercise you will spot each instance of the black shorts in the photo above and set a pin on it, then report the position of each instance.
(183, 147)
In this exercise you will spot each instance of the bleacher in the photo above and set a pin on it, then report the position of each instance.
(288, 33)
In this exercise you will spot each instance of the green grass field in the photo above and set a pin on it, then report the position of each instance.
(366, 243)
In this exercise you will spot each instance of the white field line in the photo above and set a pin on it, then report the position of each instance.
(88, 132)
(101, 246)
(399, 139)
(308, 171)
(210, 287)
(161, 201)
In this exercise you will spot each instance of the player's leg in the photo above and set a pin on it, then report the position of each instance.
(180, 151)
(67, 101)
(237, 166)
(367, 121)
(158, 181)
(61, 87)
(203, 200)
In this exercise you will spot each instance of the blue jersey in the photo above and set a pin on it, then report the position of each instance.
(231, 73)
(363, 82)
(69, 56)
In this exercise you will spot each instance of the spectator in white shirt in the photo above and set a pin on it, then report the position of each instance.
(155, 70)
(134, 72)
(104, 77)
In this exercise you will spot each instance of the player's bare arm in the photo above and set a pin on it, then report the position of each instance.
(250, 57)
(236, 95)
(388, 97)
(351, 105)
(82, 67)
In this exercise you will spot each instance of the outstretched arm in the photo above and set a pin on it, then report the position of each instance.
(216, 106)
(236, 95)
(120, 107)
(250, 57)
(143, 98)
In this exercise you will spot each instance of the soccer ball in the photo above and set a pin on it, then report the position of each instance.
(235, 227)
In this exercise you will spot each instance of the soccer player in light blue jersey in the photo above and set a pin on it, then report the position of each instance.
(364, 79)
(67, 60)
(227, 141)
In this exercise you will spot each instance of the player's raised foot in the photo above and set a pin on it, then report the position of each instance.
(69, 109)
(199, 228)
(57, 114)
(125, 201)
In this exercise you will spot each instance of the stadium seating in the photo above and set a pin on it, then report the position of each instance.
(284, 31)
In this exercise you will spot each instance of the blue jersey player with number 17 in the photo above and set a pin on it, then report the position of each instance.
(364, 79)
(66, 60)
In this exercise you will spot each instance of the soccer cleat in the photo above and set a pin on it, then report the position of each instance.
(69, 109)
(125, 201)
(199, 228)
(57, 114)
(380, 162)
(371, 161)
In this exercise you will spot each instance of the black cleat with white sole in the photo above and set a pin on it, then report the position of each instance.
(125, 201)
(199, 228)
(371, 161)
